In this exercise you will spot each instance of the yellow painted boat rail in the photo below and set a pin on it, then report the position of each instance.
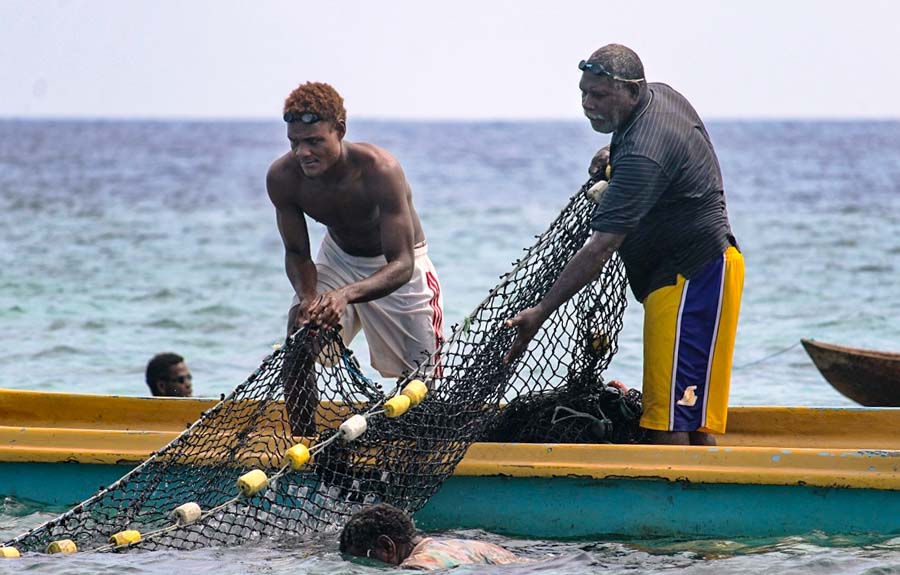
(19, 408)
(765, 445)
(867, 469)
(827, 427)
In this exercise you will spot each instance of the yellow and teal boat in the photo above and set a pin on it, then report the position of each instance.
(779, 471)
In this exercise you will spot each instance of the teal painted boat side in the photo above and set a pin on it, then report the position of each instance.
(57, 484)
(567, 507)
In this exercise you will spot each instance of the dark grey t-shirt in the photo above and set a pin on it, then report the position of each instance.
(665, 193)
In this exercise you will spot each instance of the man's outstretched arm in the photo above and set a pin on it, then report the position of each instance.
(580, 271)
(298, 264)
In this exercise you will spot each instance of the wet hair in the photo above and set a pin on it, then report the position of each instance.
(621, 60)
(158, 368)
(363, 529)
(319, 98)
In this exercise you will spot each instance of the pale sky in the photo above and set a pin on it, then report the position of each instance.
(419, 59)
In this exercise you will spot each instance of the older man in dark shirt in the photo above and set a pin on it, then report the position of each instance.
(664, 212)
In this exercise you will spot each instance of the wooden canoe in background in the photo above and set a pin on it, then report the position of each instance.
(870, 378)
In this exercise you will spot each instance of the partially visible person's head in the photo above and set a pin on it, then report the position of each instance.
(612, 83)
(168, 376)
(380, 532)
(316, 124)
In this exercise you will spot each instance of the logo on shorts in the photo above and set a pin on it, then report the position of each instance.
(688, 399)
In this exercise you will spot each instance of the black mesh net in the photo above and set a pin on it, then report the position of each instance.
(597, 414)
(302, 393)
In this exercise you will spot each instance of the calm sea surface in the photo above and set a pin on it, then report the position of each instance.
(119, 240)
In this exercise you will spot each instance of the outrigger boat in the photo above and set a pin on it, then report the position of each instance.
(779, 471)
(868, 377)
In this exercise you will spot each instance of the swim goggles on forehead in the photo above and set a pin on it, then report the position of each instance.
(302, 117)
(597, 69)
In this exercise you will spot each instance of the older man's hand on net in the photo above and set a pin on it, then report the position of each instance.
(528, 322)
(599, 163)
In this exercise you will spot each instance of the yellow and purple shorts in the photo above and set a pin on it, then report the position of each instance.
(689, 332)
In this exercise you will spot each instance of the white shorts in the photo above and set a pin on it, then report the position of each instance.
(404, 327)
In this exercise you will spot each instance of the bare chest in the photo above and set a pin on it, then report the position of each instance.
(341, 208)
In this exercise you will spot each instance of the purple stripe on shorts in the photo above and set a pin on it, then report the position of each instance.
(695, 345)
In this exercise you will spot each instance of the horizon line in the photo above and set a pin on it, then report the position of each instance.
(419, 119)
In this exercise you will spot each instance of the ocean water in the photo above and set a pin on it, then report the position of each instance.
(119, 240)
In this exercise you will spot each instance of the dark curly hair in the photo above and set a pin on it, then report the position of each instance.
(319, 98)
(158, 368)
(363, 529)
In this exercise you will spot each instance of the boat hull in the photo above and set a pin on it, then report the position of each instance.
(778, 471)
(870, 378)
(584, 508)
(568, 507)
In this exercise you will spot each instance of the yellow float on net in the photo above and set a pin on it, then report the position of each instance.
(252, 482)
(62, 546)
(415, 390)
(127, 537)
(297, 456)
(9, 552)
(608, 171)
(396, 406)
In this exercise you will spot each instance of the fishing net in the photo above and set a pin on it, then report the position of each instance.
(599, 413)
(240, 473)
